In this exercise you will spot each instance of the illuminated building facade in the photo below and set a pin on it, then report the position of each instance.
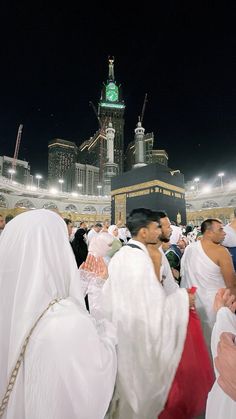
(62, 154)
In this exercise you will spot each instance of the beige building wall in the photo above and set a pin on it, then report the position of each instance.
(197, 217)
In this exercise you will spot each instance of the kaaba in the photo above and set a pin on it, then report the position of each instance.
(154, 186)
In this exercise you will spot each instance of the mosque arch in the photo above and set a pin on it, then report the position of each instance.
(71, 208)
(232, 202)
(50, 205)
(189, 207)
(24, 203)
(106, 210)
(199, 220)
(210, 204)
(3, 202)
(224, 218)
(89, 209)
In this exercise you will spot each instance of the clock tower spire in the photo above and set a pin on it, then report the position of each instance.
(111, 108)
(111, 76)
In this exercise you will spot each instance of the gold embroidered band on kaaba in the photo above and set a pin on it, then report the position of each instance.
(156, 184)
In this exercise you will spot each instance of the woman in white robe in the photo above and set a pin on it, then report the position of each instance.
(116, 244)
(69, 366)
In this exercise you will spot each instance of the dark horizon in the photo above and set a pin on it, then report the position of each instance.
(54, 61)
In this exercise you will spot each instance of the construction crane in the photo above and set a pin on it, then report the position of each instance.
(17, 146)
(143, 108)
(95, 111)
(101, 135)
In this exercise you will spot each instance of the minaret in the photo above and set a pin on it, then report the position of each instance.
(110, 134)
(139, 146)
(110, 168)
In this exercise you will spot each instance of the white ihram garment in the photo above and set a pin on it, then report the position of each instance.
(169, 283)
(92, 233)
(219, 404)
(230, 238)
(151, 329)
(197, 269)
(70, 363)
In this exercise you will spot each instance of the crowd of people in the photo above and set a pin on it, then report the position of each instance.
(96, 321)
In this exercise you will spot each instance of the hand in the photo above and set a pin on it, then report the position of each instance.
(224, 298)
(96, 266)
(89, 264)
(191, 298)
(226, 364)
(175, 273)
(101, 269)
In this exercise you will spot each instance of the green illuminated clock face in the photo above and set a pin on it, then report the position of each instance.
(112, 92)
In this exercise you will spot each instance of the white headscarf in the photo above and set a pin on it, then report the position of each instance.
(124, 234)
(176, 234)
(101, 244)
(36, 266)
(112, 228)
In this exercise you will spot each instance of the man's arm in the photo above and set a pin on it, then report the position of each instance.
(227, 268)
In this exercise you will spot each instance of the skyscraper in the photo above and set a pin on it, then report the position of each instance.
(61, 155)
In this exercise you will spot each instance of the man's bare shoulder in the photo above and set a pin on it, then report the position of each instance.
(222, 251)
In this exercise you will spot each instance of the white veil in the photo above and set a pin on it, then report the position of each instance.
(36, 266)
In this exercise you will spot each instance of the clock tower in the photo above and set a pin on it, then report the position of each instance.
(111, 109)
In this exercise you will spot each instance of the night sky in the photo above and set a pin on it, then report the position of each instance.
(53, 61)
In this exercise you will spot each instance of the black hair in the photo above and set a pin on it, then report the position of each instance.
(207, 224)
(189, 229)
(8, 218)
(79, 234)
(142, 217)
(67, 221)
(98, 225)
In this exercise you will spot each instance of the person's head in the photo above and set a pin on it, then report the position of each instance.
(188, 229)
(165, 226)
(105, 225)
(97, 227)
(2, 222)
(83, 225)
(176, 234)
(212, 229)
(143, 225)
(44, 268)
(100, 244)
(80, 234)
(113, 230)
(69, 225)
(52, 243)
